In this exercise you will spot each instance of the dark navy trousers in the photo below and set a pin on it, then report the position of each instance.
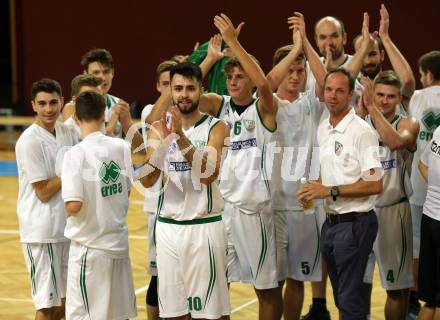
(345, 248)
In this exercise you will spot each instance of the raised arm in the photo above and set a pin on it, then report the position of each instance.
(405, 137)
(205, 165)
(127, 124)
(316, 66)
(267, 105)
(213, 55)
(398, 61)
(154, 155)
(355, 63)
(279, 71)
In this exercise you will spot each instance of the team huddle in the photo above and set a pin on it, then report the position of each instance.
(319, 168)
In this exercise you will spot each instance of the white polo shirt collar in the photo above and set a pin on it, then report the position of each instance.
(343, 124)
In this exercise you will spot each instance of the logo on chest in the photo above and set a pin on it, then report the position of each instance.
(338, 148)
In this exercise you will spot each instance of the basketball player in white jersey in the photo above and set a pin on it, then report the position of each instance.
(297, 234)
(40, 208)
(425, 107)
(185, 153)
(96, 179)
(397, 136)
(79, 84)
(244, 184)
(99, 62)
(152, 194)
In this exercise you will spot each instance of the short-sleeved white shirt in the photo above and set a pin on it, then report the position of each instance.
(431, 158)
(39, 155)
(346, 152)
(98, 172)
(151, 194)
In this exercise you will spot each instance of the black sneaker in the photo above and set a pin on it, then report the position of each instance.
(316, 314)
(414, 308)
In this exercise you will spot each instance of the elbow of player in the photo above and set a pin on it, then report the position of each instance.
(73, 207)
(43, 197)
(148, 181)
(210, 179)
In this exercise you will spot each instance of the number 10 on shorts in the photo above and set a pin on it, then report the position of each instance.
(194, 303)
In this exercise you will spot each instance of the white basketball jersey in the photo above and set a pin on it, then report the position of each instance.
(244, 180)
(297, 123)
(396, 170)
(183, 196)
(39, 157)
(425, 107)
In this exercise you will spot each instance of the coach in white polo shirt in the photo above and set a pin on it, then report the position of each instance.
(350, 177)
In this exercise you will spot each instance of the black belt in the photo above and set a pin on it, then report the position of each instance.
(345, 217)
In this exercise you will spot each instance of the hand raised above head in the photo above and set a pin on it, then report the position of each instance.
(226, 27)
(384, 22)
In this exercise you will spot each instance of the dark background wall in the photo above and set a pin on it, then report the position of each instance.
(51, 36)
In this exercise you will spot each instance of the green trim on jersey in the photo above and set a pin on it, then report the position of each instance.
(263, 246)
(190, 222)
(263, 168)
(261, 119)
(212, 275)
(161, 197)
(82, 282)
(209, 194)
(109, 101)
(33, 270)
(221, 107)
(52, 268)
(202, 119)
(404, 246)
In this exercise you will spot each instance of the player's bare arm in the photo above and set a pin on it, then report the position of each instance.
(398, 61)
(423, 170)
(127, 124)
(213, 55)
(405, 137)
(150, 171)
(279, 71)
(317, 67)
(68, 110)
(73, 207)
(355, 63)
(46, 189)
(267, 105)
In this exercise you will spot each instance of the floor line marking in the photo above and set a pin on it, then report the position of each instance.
(141, 290)
(15, 300)
(244, 305)
(16, 232)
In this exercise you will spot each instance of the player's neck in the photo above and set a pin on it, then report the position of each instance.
(89, 128)
(189, 120)
(47, 126)
(239, 101)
